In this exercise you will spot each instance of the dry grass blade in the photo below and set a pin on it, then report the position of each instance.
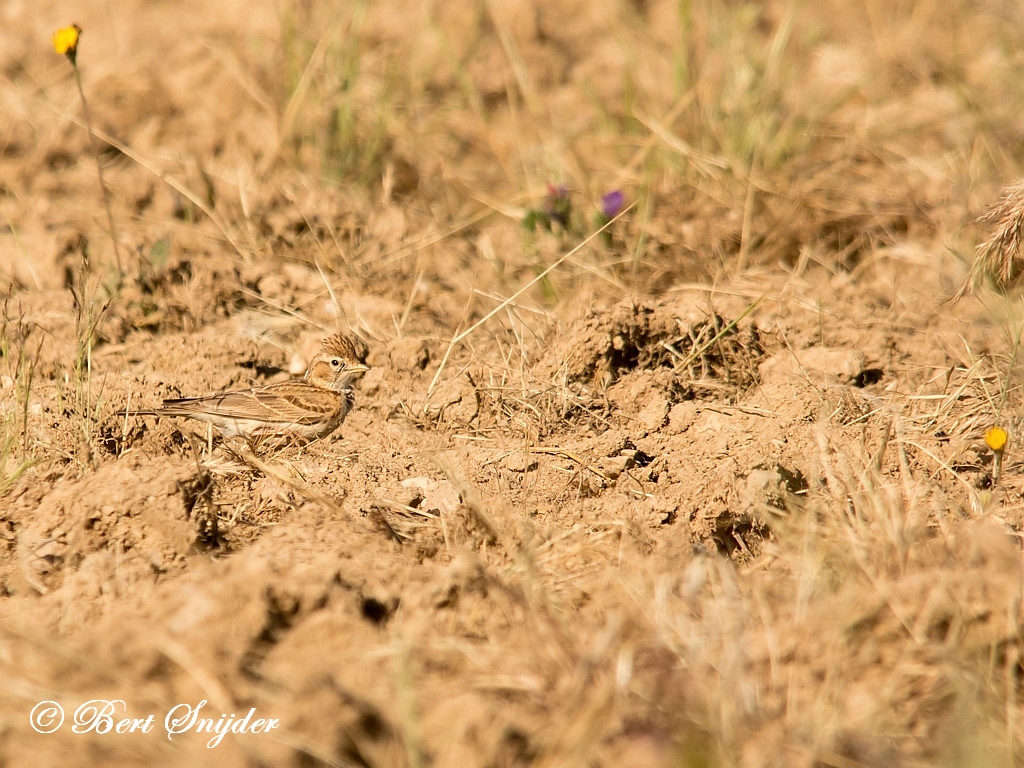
(728, 328)
(294, 481)
(572, 457)
(473, 501)
(461, 336)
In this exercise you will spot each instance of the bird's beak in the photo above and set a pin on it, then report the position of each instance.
(357, 368)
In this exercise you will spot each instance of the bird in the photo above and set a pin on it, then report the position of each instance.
(298, 410)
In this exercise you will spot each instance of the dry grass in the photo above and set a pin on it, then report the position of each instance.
(706, 488)
(998, 257)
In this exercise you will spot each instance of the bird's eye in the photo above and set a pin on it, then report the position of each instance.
(335, 362)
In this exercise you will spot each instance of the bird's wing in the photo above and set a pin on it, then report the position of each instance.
(290, 402)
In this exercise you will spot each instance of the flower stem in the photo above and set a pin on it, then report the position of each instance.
(99, 171)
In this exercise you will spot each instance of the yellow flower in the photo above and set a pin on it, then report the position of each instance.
(996, 438)
(66, 41)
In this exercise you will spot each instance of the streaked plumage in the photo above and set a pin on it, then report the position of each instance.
(303, 409)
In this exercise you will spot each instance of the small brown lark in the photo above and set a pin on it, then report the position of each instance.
(299, 410)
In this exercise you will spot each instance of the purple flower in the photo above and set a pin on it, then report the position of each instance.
(611, 203)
